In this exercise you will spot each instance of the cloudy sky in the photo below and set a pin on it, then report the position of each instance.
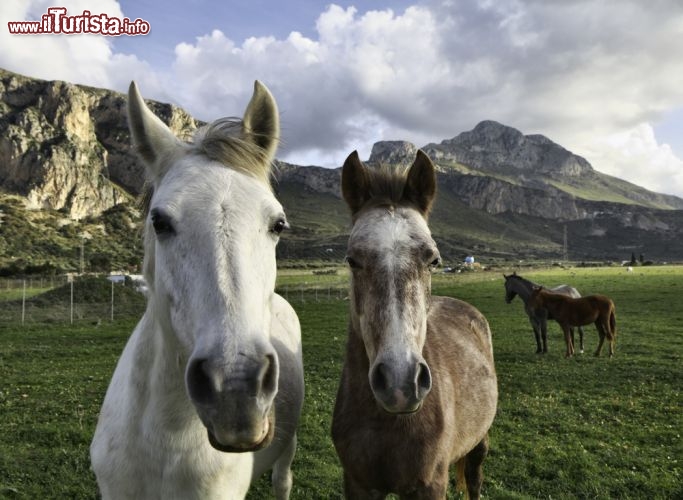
(603, 78)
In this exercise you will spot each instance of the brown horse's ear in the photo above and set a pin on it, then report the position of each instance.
(355, 185)
(420, 186)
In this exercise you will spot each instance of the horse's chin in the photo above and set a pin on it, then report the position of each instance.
(244, 447)
(402, 413)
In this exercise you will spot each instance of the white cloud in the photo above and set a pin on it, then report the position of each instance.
(577, 72)
(583, 72)
(86, 59)
(636, 156)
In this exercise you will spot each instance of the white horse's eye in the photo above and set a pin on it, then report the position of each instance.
(161, 222)
(279, 226)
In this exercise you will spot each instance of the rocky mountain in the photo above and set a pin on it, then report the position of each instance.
(537, 162)
(66, 147)
(67, 169)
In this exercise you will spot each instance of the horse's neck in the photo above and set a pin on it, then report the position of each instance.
(356, 363)
(157, 383)
(355, 348)
(523, 289)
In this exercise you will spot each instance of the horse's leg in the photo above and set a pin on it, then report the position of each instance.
(433, 491)
(601, 334)
(474, 475)
(282, 471)
(544, 334)
(353, 490)
(571, 332)
(568, 341)
(537, 334)
(581, 338)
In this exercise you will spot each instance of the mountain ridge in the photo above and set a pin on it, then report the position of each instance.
(65, 149)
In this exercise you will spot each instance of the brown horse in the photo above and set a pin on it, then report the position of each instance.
(418, 390)
(569, 312)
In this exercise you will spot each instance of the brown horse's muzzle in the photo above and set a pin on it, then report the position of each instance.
(400, 387)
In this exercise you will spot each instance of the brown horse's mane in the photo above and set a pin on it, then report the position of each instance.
(387, 185)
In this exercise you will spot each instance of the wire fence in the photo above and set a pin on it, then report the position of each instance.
(66, 300)
(95, 300)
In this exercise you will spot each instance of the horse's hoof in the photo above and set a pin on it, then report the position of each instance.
(581, 351)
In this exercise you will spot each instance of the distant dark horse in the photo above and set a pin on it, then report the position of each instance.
(516, 285)
(569, 312)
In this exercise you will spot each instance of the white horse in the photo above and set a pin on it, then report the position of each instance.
(208, 391)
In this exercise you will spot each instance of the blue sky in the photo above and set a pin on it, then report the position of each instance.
(601, 78)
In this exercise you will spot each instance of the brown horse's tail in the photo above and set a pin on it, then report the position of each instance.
(613, 323)
(461, 484)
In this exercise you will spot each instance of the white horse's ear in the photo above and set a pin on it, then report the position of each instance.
(261, 122)
(151, 137)
(420, 186)
(355, 185)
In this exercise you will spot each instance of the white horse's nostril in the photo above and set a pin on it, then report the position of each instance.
(269, 375)
(200, 384)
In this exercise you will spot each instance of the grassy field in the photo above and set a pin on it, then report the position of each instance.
(580, 428)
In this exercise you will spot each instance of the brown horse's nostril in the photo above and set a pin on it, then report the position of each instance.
(423, 380)
(378, 378)
(199, 383)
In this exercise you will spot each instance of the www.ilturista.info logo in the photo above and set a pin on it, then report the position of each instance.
(55, 21)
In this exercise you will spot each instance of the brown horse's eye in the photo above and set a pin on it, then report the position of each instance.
(353, 264)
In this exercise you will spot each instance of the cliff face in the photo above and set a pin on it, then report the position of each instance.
(393, 152)
(66, 147)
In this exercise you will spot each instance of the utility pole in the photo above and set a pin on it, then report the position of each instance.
(565, 252)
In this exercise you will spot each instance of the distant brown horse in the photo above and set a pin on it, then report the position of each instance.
(569, 312)
(418, 390)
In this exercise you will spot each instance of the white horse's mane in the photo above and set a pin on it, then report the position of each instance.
(226, 142)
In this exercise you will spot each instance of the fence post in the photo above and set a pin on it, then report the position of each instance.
(112, 301)
(71, 308)
(23, 304)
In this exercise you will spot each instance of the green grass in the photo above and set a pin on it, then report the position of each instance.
(580, 428)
